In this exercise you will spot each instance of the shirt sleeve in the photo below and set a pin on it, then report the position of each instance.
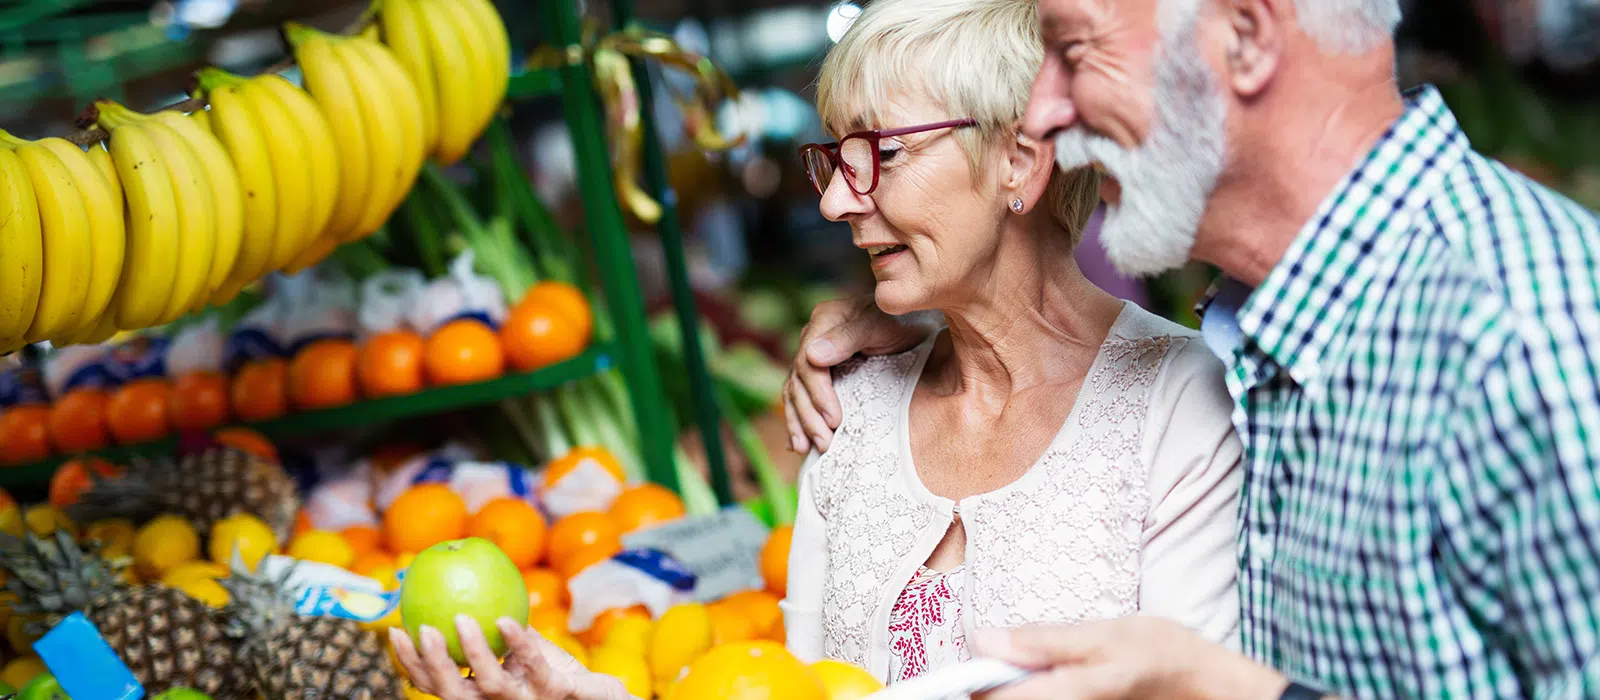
(1519, 512)
(808, 564)
(1189, 566)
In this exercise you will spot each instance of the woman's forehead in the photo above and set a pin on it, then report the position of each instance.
(900, 108)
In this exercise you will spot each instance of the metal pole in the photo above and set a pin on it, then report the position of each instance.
(613, 256)
(701, 389)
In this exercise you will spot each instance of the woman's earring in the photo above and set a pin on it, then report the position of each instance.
(1016, 205)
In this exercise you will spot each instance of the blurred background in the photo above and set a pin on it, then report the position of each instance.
(1522, 75)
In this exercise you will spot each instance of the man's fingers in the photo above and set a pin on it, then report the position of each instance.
(1066, 683)
(446, 676)
(812, 422)
(799, 443)
(1037, 646)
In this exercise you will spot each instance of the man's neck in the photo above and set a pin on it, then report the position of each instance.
(1300, 148)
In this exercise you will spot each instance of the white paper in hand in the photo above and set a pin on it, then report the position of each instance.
(955, 682)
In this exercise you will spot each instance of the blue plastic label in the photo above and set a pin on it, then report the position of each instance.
(84, 664)
(475, 315)
(248, 344)
(660, 566)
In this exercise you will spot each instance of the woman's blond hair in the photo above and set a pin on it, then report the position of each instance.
(975, 58)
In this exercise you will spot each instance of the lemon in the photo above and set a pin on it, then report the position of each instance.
(414, 694)
(205, 590)
(625, 666)
(115, 536)
(845, 681)
(44, 519)
(322, 546)
(566, 642)
(164, 543)
(682, 635)
(192, 570)
(7, 598)
(17, 673)
(630, 633)
(18, 635)
(245, 532)
(11, 521)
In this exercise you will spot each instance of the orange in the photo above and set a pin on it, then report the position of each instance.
(323, 375)
(377, 565)
(844, 681)
(645, 505)
(423, 516)
(24, 434)
(775, 560)
(539, 335)
(729, 625)
(547, 618)
(6, 501)
(199, 401)
(576, 457)
(586, 556)
(363, 539)
(513, 525)
(248, 440)
(462, 352)
(564, 298)
(761, 609)
(260, 390)
(78, 421)
(390, 364)
(72, 479)
(302, 523)
(749, 670)
(579, 531)
(600, 628)
(137, 412)
(545, 589)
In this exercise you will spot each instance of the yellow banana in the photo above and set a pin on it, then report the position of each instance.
(201, 117)
(405, 36)
(330, 87)
(243, 135)
(320, 155)
(460, 84)
(98, 329)
(197, 219)
(489, 30)
(150, 268)
(228, 197)
(65, 224)
(108, 240)
(391, 112)
(285, 147)
(21, 251)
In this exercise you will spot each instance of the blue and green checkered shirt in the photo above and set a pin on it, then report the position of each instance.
(1417, 386)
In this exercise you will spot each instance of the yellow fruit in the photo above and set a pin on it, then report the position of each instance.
(17, 673)
(205, 590)
(414, 694)
(625, 666)
(250, 535)
(194, 570)
(115, 536)
(43, 519)
(164, 543)
(17, 633)
(6, 599)
(844, 681)
(322, 546)
(682, 635)
(564, 639)
(759, 670)
(630, 633)
(11, 521)
(382, 624)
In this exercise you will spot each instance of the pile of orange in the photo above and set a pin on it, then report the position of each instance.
(551, 323)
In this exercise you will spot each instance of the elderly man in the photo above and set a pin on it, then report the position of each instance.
(1413, 340)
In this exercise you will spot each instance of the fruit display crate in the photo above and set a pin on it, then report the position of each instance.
(434, 400)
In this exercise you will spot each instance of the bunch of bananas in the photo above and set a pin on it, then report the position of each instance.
(459, 57)
(377, 124)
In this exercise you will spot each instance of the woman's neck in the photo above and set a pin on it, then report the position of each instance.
(1037, 322)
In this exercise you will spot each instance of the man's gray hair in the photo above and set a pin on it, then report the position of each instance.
(1349, 26)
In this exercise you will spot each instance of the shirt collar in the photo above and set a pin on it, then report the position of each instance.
(1296, 316)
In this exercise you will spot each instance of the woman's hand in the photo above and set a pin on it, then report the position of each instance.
(534, 669)
(838, 330)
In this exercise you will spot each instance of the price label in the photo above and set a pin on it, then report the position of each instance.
(723, 550)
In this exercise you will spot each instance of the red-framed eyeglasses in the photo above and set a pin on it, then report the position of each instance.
(857, 154)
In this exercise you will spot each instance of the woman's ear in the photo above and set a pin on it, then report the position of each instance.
(1032, 163)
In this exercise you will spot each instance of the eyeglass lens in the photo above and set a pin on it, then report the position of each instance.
(860, 165)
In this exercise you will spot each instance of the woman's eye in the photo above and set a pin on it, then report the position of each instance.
(887, 154)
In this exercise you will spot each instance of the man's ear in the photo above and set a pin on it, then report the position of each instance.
(1255, 42)
(1032, 164)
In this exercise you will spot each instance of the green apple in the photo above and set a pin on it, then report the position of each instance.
(469, 577)
(182, 694)
(43, 687)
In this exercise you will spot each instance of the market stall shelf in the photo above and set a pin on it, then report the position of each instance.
(596, 359)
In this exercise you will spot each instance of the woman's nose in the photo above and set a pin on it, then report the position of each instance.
(840, 202)
(1050, 108)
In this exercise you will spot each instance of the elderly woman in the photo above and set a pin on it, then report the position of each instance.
(1053, 455)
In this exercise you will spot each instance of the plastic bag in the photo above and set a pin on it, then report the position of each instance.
(327, 590)
(588, 487)
(645, 577)
(461, 294)
(198, 348)
(387, 297)
(476, 483)
(137, 358)
(22, 383)
(76, 367)
(341, 500)
(318, 308)
(259, 335)
(388, 484)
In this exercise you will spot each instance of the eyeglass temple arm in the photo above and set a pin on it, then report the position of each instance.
(902, 131)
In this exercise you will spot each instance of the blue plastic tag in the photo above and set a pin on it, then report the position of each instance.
(84, 663)
(659, 565)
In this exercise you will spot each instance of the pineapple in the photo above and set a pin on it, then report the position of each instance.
(166, 638)
(294, 657)
(204, 488)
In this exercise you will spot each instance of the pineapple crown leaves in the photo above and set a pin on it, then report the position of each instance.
(53, 577)
(257, 602)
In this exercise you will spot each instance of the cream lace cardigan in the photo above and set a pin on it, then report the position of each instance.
(1131, 509)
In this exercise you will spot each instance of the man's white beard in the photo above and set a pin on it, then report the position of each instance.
(1167, 179)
